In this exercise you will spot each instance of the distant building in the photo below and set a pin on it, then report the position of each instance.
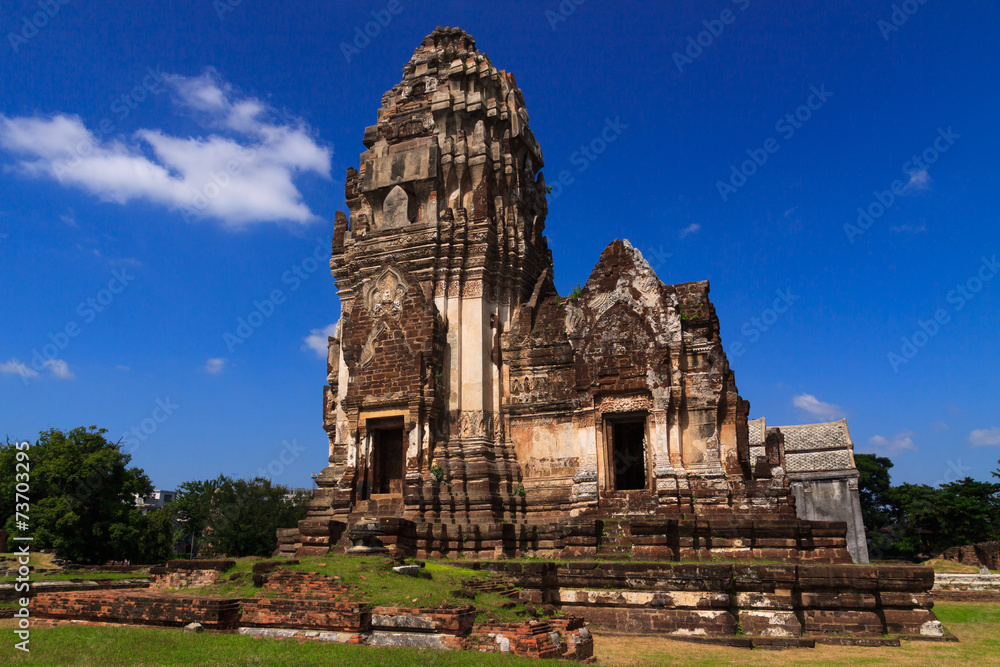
(290, 495)
(156, 500)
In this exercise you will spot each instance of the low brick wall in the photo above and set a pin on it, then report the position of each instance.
(720, 600)
(305, 585)
(181, 579)
(564, 637)
(967, 587)
(457, 621)
(9, 591)
(137, 607)
(984, 553)
(305, 614)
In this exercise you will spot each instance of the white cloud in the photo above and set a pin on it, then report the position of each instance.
(215, 366)
(57, 368)
(17, 367)
(69, 218)
(817, 408)
(901, 442)
(985, 437)
(240, 174)
(122, 368)
(317, 340)
(690, 229)
(919, 180)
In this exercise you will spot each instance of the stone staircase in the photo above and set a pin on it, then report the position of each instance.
(615, 542)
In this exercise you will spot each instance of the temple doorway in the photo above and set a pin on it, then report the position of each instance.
(387, 457)
(628, 455)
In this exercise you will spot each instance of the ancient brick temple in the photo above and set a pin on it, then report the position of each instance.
(471, 408)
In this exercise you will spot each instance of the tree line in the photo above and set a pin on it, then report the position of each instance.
(916, 521)
(83, 491)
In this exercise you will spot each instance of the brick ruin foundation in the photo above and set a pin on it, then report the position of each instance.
(307, 605)
(802, 604)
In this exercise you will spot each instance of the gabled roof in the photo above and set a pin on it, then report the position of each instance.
(823, 447)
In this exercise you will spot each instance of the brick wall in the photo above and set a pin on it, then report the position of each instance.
(138, 608)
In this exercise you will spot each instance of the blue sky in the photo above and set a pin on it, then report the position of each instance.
(121, 254)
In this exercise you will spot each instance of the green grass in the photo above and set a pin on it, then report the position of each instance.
(375, 583)
(977, 625)
(954, 613)
(111, 647)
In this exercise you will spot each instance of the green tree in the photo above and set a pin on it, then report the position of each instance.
(192, 508)
(968, 512)
(915, 521)
(873, 490)
(82, 498)
(237, 517)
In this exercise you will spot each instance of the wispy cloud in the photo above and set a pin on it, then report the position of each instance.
(240, 173)
(122, 368)
(940, 426)
(215, 366)
(69, 218)
(985, 437)
(317, 340)
(693, 228)
(17, 367)
(907, 228)
(57, 368)
(919, 180)
(901, 442)
(817, 408)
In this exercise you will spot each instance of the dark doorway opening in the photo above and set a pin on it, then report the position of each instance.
(387, 459)
(628, 441)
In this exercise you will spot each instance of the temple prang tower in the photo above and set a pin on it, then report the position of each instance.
(466, 398)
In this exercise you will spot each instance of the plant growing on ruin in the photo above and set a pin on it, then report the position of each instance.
(519, 490)
(438, 472)
(577, 291)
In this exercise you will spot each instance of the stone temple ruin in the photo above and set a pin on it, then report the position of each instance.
(473, 411)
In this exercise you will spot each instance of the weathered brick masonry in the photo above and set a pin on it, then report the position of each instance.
(719, 600)
(294, 600)
(468, 398)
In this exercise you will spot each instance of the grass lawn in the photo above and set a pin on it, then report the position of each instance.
(977, 625)
(374, 582)
(951, 567)
(45, 570)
